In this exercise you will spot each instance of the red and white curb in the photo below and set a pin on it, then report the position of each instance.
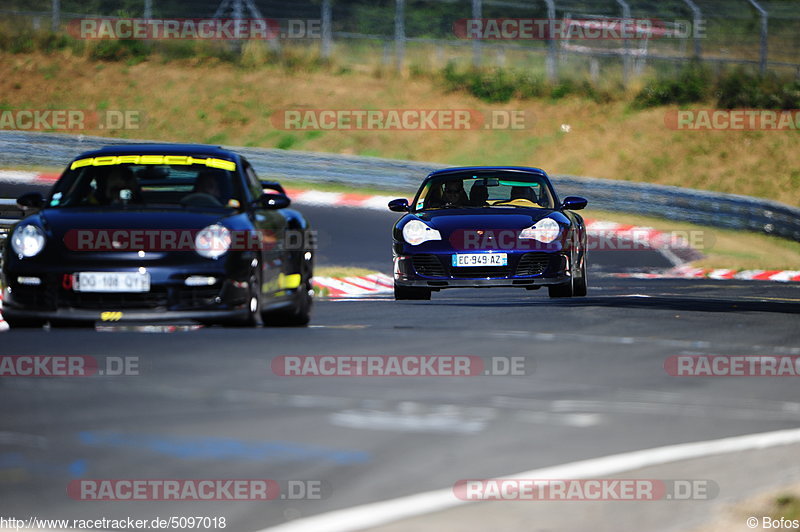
(641, 237)
(339, 199)
(21, 177)
(687, 272)
(376, 284)
(363, 286)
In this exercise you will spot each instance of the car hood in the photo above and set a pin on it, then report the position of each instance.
(447, 221)
(58, 221)
(69, 231)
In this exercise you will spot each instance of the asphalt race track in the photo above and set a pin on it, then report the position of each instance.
(207, 405)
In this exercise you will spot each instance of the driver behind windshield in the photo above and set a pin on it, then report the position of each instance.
(119, 187)
(525, 193)
(454, 193)
(207, 191)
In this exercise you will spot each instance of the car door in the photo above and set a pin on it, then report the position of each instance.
(271, 224)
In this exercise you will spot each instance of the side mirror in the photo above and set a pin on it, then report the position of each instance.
(399, 205)
(274, 201)
(270, 187)
(31, 200)
(574, 203)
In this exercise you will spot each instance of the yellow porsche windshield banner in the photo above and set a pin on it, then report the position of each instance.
(109, 160)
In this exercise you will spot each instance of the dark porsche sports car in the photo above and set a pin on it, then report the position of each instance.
(488, 226)
(152, 232)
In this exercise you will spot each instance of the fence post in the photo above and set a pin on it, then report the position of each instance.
(764, 34)
(552, 67)
(327, 31)
(476, 43)
(696, 21)
(626, 63)
(56, 22)
(399, 33)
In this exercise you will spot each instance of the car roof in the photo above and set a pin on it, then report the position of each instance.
(161, 149)
(458, 169)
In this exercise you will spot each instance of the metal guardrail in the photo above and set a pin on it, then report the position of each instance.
(679, 204)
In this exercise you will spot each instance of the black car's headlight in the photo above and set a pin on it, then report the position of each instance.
(213, 241)
(416, 232)
(27, 240)
(545, 230)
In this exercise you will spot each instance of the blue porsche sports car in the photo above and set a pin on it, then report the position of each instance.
(488, 226)
(158, 231)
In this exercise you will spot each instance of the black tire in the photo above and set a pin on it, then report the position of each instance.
(561, 290)
(253, 316)
(579, 286)
(411, 293)
(299, 314)
(24, 323)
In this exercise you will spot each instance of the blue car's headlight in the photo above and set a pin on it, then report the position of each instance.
(213, 241)
(545, 230)
(27, 240)
(416, 232)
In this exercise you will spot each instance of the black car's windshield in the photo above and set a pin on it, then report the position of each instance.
(143, 185)
(485, 189)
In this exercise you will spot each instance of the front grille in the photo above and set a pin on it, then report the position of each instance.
(51, 295)
(159, 297)
(428, 265)
(533, 264)
(156, 298)
(480, 272)
(40, 297)
(193, 297)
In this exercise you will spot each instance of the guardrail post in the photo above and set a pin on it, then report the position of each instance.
(552, 58)
(56, 22)
(764, 34)
(399, 34)
(327, 31)
(696, 22)
(476, 43)
(626, 62)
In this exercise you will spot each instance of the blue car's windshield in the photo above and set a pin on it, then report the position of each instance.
(131, 185)
(485, 189)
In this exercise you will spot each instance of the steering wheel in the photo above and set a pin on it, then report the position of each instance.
(518, 202)
(200, 199)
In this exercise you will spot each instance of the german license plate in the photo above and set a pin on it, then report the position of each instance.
(465, 260)
(112, 282)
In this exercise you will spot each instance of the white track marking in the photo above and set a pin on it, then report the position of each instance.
(380, 513)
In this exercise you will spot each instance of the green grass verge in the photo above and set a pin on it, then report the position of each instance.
(788, 507)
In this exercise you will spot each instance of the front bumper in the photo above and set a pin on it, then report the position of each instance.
(434, 270)
(169, 298)
(73, 314)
